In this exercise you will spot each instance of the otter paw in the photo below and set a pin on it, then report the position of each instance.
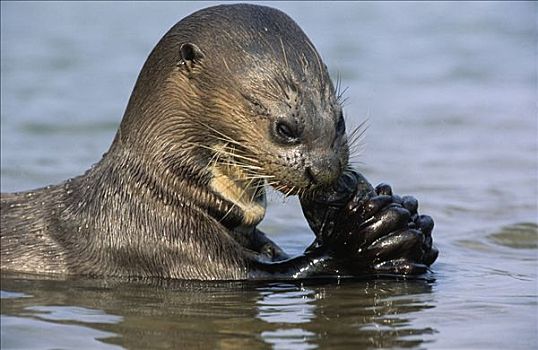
(392, 237)
(374, 231)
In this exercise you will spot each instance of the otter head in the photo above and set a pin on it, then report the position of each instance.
(244, 99)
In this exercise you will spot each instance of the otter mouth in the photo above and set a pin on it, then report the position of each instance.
(312, 188)
(288, 189)
(309, 184)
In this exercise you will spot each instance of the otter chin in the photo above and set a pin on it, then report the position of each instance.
(232, 99)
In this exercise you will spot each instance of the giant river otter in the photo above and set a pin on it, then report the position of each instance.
(233, 98)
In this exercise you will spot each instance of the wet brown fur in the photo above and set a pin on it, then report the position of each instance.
(154, 206)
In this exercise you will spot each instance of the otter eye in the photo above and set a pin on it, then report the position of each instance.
(285, 131)
(341, 124)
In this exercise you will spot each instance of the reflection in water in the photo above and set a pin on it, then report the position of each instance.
(290, 338)
(367, 313)
(35, 334)
(72, 313)
(377, 312)
(285, 303)
(225, 315)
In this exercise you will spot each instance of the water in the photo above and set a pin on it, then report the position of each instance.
(449, 90)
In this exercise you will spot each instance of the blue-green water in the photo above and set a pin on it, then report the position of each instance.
(450, 92)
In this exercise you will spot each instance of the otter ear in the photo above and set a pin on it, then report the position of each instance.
(191, 55)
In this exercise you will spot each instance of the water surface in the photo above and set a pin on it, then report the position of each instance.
(449, 90)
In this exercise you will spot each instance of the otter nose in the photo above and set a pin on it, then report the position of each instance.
(322, 173)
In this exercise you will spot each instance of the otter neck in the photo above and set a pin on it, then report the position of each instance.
(223, 192)
(246, 194)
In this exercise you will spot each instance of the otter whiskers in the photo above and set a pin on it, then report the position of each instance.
(355, 141)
